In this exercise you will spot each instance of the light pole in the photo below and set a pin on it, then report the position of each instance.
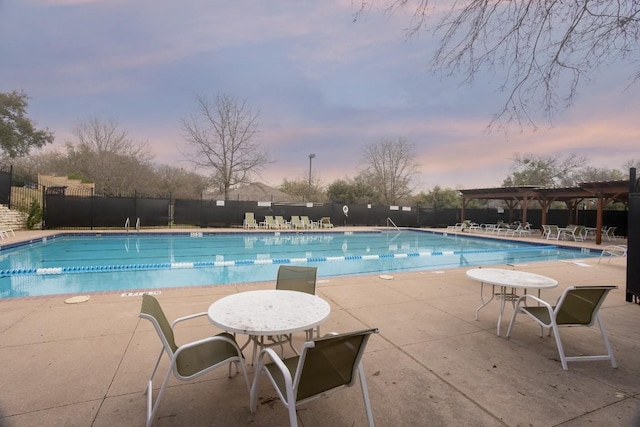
(311, 156)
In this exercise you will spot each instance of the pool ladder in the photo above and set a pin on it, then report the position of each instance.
(389, 220)
(128, 222)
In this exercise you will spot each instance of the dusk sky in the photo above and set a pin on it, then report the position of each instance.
(321, 82)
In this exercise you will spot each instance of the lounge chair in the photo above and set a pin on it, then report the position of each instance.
(5, 233)
(279, 219)
(296, 222)
(577, 306)
(552, 232)
(610, 233)
(488, 228)
(522, 230)
(269, 222)
(502, 227)
(325, 222)
(249, 220)
(307, 223)
(613, 251)
(189, 360)
(474, 227)
(573, 232)
(324, 365)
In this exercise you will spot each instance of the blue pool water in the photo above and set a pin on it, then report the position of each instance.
(79, 264)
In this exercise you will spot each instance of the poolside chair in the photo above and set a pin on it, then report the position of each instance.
(300, 279)
(297, 278)
(609, 233)
(279, 219)
(577, 306)
(522, 230)
(189, 360)
(552, 232)
(269, 222)
(612, 251)
(325, 222)
(5, 233)
(249, 220)
(307, 223)
(296, 222)
(324, 365)
(573, 232)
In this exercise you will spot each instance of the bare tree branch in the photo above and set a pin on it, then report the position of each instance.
(547, 48)
(391, 167)
(222, 138)
(102, 152)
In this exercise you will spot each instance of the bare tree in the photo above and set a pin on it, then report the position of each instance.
(544, 170)
(222, 138)
(301, 189)
(594, 174)
(546, 48)
(178, 182)
(390, 166)
(632, 163)
(103, 153)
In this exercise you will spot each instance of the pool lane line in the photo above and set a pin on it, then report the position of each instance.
(247, 262)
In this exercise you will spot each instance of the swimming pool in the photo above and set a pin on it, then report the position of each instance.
(69, 264)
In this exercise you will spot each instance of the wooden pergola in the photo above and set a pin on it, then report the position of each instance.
(604, 192)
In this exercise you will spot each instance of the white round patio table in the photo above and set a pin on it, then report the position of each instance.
(507, 279)
(263, 313)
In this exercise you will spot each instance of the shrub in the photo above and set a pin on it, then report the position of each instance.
(34, 216)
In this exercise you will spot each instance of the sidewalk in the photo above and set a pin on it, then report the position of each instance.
(431, 364)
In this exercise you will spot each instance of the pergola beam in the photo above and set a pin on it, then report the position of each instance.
(604, 192)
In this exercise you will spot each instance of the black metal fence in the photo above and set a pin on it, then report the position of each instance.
(68, 208)
(63, 211)
(18, 191)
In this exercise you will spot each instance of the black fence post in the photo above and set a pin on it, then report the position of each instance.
(10, 186)
(633, 240)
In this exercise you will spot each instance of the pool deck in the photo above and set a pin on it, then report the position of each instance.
(431, 364)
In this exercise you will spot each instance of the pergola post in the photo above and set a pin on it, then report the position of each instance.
(599, 220)
(464, 207)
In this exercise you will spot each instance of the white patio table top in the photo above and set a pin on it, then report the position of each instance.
(268, 313)
(512, 279)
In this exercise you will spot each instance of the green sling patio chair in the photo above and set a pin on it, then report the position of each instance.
(612, 251)
(307, 223)
(249, 220)
(189, 360)
(551, 232)
(301, 279)
(293, 278)
(325, 222)
(296, 222)
(577, 306)
(324, 365)
(297, 278)
(269, 222)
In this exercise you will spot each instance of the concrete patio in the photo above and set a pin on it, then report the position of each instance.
(431, 364)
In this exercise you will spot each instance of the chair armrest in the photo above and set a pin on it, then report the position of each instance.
(189, 317)
(542, 302)
(219, 337)
(535, 298)
(277, 361)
